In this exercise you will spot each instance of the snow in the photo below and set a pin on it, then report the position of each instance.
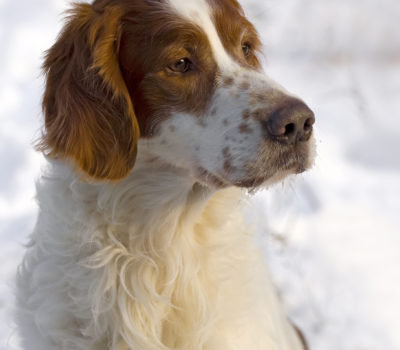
(332, 235)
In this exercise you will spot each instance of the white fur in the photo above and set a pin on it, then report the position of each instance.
(153, 262)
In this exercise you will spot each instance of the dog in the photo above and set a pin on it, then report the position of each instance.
(158, 119)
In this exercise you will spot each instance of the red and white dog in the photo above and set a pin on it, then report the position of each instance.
(157, 117)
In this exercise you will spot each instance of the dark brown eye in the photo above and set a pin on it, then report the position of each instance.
(181, 66)
(246, 47)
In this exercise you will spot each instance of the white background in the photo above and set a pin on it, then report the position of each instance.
(332, 236)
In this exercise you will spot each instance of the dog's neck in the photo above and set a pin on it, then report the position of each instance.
(152, 193)
(156, 195)
(146, 235)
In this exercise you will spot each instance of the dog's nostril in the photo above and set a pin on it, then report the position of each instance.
(308, 124)
(290, 129)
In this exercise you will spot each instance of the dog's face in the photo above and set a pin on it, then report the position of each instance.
(186, 76)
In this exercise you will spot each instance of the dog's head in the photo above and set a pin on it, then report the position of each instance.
(182, 76)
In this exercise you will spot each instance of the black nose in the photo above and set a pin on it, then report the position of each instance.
(291, 123)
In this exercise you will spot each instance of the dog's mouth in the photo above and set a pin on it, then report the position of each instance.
(272, 164)
(272, 177)
(276, 163)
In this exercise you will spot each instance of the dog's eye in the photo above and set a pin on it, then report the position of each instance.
(246, 47)
(181, 66)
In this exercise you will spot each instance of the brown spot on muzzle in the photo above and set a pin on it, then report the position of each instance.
(246, 114)
(228, 159)
(245, 129)
(228, 81)
(226, 153)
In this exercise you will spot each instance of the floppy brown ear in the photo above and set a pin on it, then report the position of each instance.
(89, 116)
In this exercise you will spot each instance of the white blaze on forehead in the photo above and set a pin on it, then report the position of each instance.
(199, 12)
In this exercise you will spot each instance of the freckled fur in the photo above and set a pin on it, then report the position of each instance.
(244, 129)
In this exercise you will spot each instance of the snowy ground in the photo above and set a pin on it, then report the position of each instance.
(332, 236)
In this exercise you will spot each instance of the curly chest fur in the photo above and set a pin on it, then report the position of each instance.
(180, 272)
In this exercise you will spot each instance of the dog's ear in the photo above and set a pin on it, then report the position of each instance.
(89, 116)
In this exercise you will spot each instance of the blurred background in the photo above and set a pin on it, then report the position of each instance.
(332, 235)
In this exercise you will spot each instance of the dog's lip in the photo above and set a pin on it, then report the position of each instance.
(210, 179)
(251, 183)
(268, 179)
(297, 161)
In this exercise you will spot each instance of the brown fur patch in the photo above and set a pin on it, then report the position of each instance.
(226, 152)
(89, 116)
(227, 166)
(228, 81)
(259, 97)
(156, 91)
(246, 114)
(244, 129)
(259, 114)
(235, 30)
